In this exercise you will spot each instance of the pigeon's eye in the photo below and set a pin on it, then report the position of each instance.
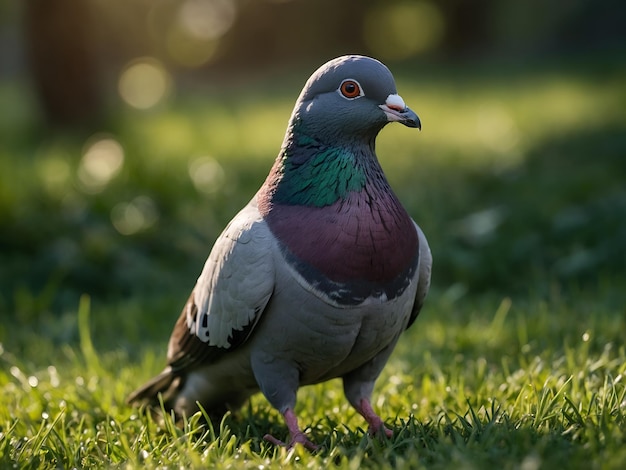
(350, 89)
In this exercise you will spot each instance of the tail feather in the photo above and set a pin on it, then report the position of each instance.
(165, 383)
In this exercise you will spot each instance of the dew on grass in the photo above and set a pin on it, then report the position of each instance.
(55, 381)
(396, 380)
(15, 372)
(92, 386)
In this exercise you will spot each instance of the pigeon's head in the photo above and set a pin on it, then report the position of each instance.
(351, 97)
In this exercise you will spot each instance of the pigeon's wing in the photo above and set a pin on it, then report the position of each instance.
(423, 274)
(231, 293)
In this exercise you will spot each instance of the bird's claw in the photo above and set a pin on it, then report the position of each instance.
(297, 438)
(380, 431)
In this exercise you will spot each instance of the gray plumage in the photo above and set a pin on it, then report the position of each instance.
(317, 277)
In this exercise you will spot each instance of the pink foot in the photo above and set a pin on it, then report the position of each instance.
(299, 438)
(376, 425)
(296, 436)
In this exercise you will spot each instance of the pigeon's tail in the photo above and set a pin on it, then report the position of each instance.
(160, 393)
(166, 383)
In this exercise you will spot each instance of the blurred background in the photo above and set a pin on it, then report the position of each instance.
(131, 131)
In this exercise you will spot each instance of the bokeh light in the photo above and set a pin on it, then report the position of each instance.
(207, 174)
(398, 30)
(207, 19)
(144, 83)
(102, 160)
(193, 39)
(129, 218)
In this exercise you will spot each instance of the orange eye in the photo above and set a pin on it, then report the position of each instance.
(350, 89)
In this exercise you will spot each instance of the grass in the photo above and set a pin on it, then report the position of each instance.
(473, 384)
(517, 361)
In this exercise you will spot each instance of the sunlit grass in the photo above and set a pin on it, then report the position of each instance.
(479, 382)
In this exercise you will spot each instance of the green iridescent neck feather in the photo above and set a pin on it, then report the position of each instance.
(312, 174)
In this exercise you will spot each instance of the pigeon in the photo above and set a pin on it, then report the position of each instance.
(317, 277)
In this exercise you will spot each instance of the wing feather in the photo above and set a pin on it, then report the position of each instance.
(230, 295)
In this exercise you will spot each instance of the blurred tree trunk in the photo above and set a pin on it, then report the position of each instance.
(469, 26)
(59, 40)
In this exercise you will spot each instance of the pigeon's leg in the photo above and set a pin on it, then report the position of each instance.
(296, 436)
(358, 386)
(279, 380)
(376, 425)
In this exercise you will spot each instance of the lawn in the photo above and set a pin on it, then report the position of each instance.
(518, 359)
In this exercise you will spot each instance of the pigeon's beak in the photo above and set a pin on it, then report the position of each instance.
(396, 111)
